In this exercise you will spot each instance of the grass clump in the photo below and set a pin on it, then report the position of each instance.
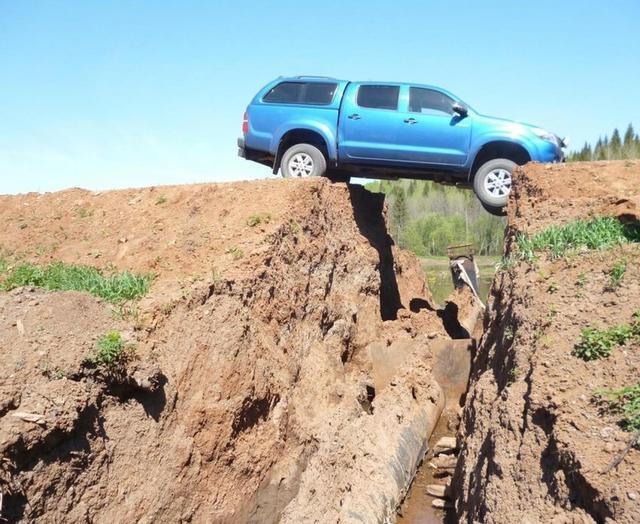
(596, 233)
(114, 287)
(235, 252)
(111, 350)
(617, 274)
(595, 344)
(258, 218)
(626, 401)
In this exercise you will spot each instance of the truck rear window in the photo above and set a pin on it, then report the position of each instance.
(378, 96)
(309, 93)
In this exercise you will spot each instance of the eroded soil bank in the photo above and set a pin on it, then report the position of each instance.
(282, 367)
(538, 441)
(288, 362)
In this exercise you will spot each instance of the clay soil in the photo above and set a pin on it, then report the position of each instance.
(280, 368)
(538, 441)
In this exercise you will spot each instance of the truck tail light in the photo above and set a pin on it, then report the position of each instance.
(245, 123)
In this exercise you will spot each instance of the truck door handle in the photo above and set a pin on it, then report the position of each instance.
(410, 121)
(354, 116)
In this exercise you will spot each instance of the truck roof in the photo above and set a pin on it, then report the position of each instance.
(316, 78)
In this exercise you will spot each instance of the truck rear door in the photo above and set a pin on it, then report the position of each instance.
(369, 123)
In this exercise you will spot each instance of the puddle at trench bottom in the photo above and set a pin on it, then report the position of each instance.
(451, 368)
(417, 508)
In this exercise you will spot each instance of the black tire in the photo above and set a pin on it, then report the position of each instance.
(303, 160)
(496, 174)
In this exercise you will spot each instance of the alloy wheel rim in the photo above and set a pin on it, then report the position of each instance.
(498, 183)
(301, 164)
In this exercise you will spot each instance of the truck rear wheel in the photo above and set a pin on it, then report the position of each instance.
(303, 160)
(492, 184)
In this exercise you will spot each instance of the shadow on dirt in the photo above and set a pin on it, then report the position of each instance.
(368, 213)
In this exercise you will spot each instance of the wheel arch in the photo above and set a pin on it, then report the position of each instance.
(495, 149)
(302, 135)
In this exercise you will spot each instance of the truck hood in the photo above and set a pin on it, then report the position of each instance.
(504, 122)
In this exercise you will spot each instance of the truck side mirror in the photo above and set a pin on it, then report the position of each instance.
(460, 109)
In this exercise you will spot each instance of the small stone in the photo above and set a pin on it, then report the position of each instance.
(632, 495)
(446, 444)
(444, 462)
(441, 503)
(20, 326)
(437, 490)
(122, 240)
(36, 418)
(607, 432)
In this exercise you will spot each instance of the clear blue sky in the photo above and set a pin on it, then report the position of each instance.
(103, 94)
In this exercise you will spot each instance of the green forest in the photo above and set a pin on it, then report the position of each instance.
(426, 217)
(614, 148)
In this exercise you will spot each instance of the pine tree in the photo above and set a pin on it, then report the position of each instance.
(412, 187)
(426, 188)
(599, 152)
(628, 145)
(399, 214)
(615, 146)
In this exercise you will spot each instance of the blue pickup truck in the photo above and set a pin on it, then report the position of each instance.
(315, 126)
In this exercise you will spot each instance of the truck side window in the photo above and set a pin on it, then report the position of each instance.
(378, 96)
(306, 93)
(429, 102)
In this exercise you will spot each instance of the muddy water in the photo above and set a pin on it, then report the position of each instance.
(417, 508)
(451, 367)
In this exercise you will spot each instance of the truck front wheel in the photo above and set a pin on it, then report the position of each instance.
(303, 160)
(492, 184)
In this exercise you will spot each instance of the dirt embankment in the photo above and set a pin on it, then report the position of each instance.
(537, 442)
(279, 372)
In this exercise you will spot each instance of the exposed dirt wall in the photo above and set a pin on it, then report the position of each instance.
(279, 373)
(537, 442)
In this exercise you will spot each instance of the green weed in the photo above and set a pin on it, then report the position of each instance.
(161, 200)
(111, 350)
(617, 274)
(216, 275)
(626, 401)
(55, 373)
(596, 233)
(582, 280)
(508, 334)
(595, 343)
(258, 218)
(235, 252)
(125, 312)
(113, 287)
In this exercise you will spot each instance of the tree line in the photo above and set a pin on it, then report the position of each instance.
(610, 148)
(426, 217)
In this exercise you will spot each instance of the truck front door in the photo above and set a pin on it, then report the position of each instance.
(431, 132)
